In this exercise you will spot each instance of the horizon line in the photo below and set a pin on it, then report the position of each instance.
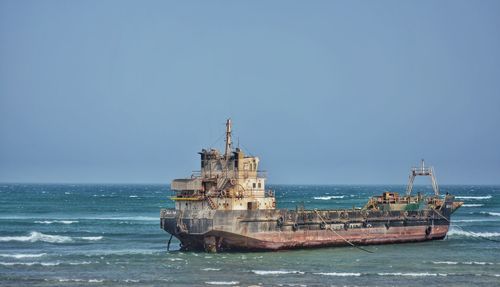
(306, 184)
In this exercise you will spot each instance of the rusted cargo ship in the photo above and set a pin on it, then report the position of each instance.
(226, 207)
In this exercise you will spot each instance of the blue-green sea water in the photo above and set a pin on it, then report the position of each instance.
(109, 235)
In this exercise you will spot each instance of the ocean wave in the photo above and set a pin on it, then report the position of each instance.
(412, 274)
(133, 196)
(91, 238)
(44, 263)
(457, 232)
(445, 262)
(340, 274)
(491, 213)
(21, 256)
(80, 280)
(464, 263)
(137, 218)
(478, 263)
(472, 205)
(276, 272)
(472, 220)
(38, 236)
(222, 282)
(56, 221)
(210, 269)
(42, 220)
(329, 197)
(30, 263)
(474, 197)
(175, 259)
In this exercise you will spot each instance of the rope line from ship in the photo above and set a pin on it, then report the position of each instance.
(342, 237)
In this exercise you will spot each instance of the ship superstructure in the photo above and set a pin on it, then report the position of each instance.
(225, 206)
(226, 181)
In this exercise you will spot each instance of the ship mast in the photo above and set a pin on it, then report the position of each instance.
(227, 152)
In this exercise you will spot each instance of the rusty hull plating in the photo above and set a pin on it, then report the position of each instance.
(225, 207)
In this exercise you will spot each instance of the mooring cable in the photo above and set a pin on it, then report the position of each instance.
(168, 244)
(343, 238)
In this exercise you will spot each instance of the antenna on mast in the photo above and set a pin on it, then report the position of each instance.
(227, 151)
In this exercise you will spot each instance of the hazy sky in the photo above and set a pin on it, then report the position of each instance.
(322, 91)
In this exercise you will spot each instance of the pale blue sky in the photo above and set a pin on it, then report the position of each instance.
(322, 91)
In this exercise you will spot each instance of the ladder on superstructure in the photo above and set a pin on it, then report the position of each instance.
(422, 171)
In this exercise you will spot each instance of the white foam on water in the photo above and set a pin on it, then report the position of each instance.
(36, 236)
(491, 213)
(458, 232)
(222, 282)
(44, 263)
(474, 197)
(478, 263)
(175, 259)
(445, 262)
(341, 274)
(80, 280)
(91, 238)
(472, 205)
(412, 274)
(276, 272)
(141, 218)
(30, 263)
(80, 263)
(56, 221)
(329, 197)
(133, 196)
(20, 256)
(70, 280)
(472, 220)
(210, 269)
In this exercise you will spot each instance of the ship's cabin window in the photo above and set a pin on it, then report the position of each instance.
(259, 185)
(254, 185)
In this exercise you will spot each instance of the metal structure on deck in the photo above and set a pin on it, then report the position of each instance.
(422, 171)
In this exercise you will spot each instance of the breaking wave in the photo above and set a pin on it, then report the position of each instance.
(81, 280)
(56, 221)
(341, 274)
(329, 197)
(457, 232)
(411, 274)
(474, 197)
(91, 238)
(210, 269)
(21, 256)
(44, 263)
(276, 272)
(491, 213)
(30, 263)
(473, 205)
(222, 282)
(463, 263)
(38, 236)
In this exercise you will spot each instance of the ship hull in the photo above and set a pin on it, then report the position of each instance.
(283, 229)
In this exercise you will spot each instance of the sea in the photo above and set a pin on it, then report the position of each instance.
(109, 235)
